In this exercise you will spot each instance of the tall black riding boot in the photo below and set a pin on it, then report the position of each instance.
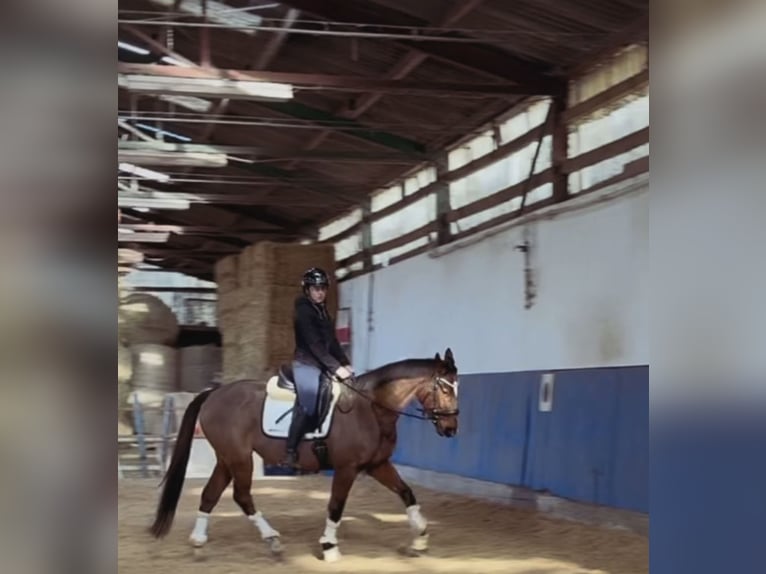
(294, 436)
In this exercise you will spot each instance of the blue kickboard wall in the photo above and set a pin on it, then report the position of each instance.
(592, 447)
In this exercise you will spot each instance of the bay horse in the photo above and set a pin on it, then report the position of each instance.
(361, 437)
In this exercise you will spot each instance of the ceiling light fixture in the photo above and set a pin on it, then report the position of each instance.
(132, 48)
(143, 172)
(206, 87)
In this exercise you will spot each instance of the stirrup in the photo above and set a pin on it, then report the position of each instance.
(290, 460)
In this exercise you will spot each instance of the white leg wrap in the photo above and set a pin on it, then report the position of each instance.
(198, 537)
(417, 521)
(263, 526)
(330, 535)
(331, 555)
(420, 543)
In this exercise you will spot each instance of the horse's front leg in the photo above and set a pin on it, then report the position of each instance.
(342, 481)
(387, 475)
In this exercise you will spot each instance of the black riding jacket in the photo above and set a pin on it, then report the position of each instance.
(315, 340)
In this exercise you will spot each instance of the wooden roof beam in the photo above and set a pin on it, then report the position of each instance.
(574, 11)
(293, 109)
(296, 180)
(400, 70)
(183, 229)
(324, 81)
(263, 153)
(476, 57)
(276, 41)
(634, 33)
(194, 216)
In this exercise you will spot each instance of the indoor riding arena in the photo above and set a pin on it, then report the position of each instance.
(472, 175)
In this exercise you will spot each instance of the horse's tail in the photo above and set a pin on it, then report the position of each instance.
(174, 478)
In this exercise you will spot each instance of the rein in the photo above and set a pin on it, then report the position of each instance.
(434, 415)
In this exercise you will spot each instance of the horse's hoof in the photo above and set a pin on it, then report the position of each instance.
(331, 554)
(197, 542)
(199, 554)
(420, 543)
(410, 552)
(275, 545)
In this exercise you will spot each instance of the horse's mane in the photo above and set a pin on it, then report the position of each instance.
(405, 369)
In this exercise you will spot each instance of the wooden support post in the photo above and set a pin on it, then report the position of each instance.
(367, 235)
(205, 39)
(443, 208)
(559, 149)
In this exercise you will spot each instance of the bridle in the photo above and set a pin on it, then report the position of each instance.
(440, 384)
(429, 414)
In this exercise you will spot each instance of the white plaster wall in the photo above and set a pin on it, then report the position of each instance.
(591, 307)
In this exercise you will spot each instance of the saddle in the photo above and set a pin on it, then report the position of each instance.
(282, 387)
(281, 398)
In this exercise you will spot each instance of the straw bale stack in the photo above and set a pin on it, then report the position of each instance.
(255, 316)
(124, 364)
(198, 364)
(155, 367)
(155, 373)
(144, 318)
(226, 270)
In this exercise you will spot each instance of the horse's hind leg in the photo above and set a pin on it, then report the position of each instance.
(387, 475)
(242, 472)
(211, 494)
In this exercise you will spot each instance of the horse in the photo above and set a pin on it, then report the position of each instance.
(357, 434)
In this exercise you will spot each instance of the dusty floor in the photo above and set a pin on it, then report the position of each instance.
(467, 536)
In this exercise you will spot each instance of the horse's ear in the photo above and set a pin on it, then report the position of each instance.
(438, 357)
(448, 357)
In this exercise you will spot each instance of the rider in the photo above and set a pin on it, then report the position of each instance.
(318, 355)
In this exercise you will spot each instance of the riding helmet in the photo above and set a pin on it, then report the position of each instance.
(315, 276)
